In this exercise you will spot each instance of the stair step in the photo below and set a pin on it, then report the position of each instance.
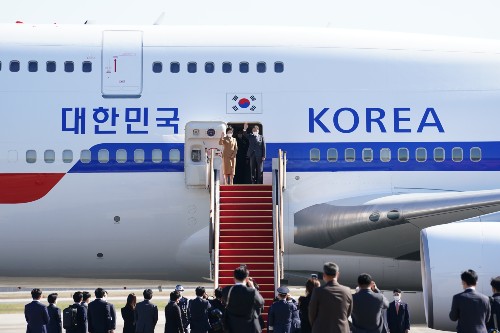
(246, 213)
(243, 259)
(225, 194)
(248, 187)
(265, 199)
(245, 245)
(243, 232)
(246, 219)
(251, 267)
(246, 239)
(255, 252)
(247, 226)
(230, 281)
(246, 206)
(255, 273)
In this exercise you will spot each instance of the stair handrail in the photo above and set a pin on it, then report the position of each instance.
(279, 175)
(214, 165)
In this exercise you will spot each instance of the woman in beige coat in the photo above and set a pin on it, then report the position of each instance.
(229, 155)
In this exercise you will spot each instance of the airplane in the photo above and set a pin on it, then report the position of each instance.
(388, 136)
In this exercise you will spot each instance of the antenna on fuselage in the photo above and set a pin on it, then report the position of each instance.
(159, 19)
(89, 22)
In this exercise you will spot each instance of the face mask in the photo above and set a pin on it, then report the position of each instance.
(229, 134)
(255, 133)
(397, 298)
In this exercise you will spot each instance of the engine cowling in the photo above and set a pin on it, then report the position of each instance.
(447, 251)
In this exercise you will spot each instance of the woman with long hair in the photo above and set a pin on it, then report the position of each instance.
(128, 314)
(305, 325)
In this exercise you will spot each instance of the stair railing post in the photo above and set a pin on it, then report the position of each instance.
(281, 230)
(216, 175)
(211, 189)
(277, 256)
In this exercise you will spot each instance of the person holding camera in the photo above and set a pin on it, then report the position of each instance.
(198, 312)
(242, 303)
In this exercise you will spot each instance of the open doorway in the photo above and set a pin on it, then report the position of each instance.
(243, 173)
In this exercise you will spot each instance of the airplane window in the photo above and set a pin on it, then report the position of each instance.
(175, 67)
(103, 156)
(279, 67)
(121, 156)
(49, 156)
(261, 67)
(403, 155)
(139, 156)
(192, 67)
(69, 66)
(31, 156)
(67, 156)
(350, 155)
(32, 66)
(475, 154)
(227, 67)
(0, 65)
(157, 155)
(174, 155)
(332, 155)
(14, 66)
(209, 67)
(438, 154)
(87, 67)
(51, 66)
(244, 67)
(367, 155)
(385, 154)
(457, 154)
(157, 67)
(421, 154)
(314, 155)
(85, 156)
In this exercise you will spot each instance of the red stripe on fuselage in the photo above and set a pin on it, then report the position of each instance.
(18, 188)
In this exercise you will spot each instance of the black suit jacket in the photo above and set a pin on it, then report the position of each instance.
(128, 315)
(472, 310)
(256, 146)
(37, 317)
(198, 314)
(99, 316)
(495, 310)
(55, 323)
(173, 318)
(400, 321)
(113, 315)
(367, 311)
(241, 309)
(146, 317)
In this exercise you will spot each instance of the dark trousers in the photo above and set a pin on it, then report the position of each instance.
(256, 165)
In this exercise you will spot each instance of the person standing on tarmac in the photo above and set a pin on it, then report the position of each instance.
(280, 313)
(184, 306)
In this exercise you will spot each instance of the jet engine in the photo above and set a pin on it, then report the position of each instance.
(448, 250)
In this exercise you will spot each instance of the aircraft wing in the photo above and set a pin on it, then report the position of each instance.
(388, 226)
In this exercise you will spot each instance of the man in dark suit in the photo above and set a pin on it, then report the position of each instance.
(495, 304)
(85, 302)
(398, 315)
(242, 302)
(256, 153)
(81, 314)
(111, 310)
(368, 306)
(99, 314)
(36, 314)
(173, 317)
(471, 308)
(146, 314)
(198, 312)
(330, 305)
(55, 323)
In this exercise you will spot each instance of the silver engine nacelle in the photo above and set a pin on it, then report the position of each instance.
(448, 250)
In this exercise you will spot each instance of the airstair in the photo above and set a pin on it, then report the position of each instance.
(246, 228)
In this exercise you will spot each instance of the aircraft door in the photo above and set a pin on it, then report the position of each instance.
(121, 63)
(201, 138)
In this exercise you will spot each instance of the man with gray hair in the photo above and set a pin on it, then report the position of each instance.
(331, 304)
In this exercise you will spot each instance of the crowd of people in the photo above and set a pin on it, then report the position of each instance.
(326, 308)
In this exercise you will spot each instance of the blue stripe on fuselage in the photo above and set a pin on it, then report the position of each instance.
(298, 155)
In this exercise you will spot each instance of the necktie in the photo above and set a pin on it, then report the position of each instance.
(397, 308)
